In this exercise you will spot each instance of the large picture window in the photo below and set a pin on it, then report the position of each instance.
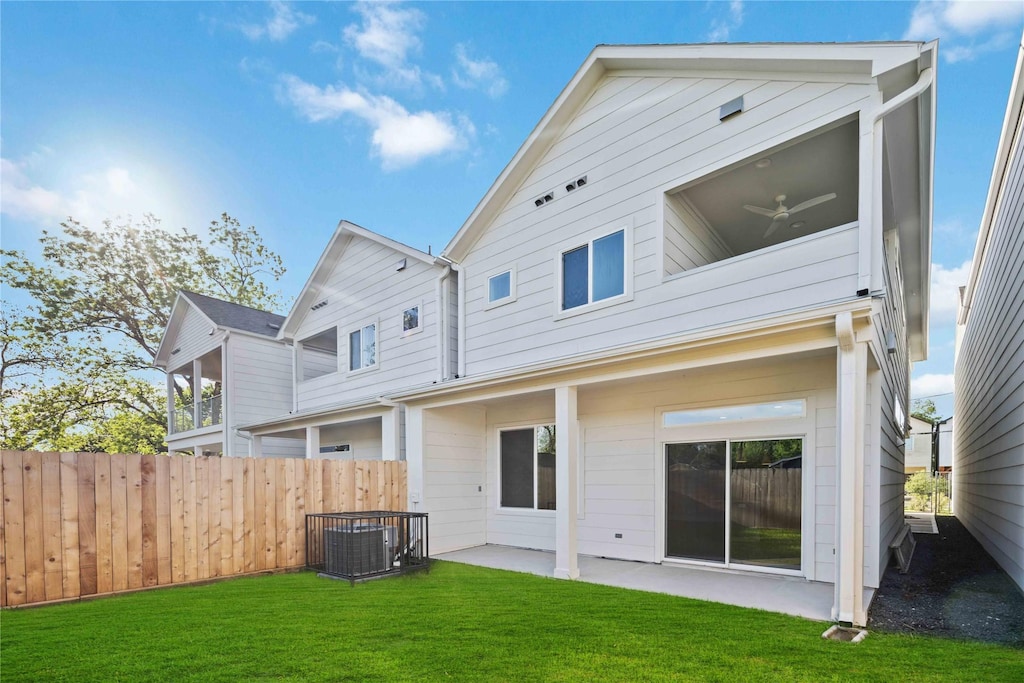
(362, 348)
(527, 467)
(594, 271)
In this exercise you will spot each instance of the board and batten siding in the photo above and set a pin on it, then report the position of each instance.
(259, 387)
(635, 139)
(988, 452)
(364, 288)
(454, 445)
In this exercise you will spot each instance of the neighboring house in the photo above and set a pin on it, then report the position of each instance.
(678, 328)
(988, 458)
(226, 356)
(945, 444)
(918, 447)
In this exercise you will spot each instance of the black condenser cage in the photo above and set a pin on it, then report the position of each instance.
(364, 545)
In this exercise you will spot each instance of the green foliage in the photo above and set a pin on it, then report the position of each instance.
(927, 492)
(924, 409)
(458, 623)
(81, 356)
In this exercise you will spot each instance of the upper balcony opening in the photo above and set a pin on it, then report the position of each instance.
(208, 410)
(318, 355)
(802, 187)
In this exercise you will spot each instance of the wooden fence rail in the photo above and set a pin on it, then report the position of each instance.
(78, 524)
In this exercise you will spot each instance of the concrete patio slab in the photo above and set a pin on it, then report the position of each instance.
(784, 594)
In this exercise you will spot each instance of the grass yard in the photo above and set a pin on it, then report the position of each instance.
(457, 622)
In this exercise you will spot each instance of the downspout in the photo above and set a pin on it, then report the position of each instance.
(442, 317)
(460, 305)
(870, 274)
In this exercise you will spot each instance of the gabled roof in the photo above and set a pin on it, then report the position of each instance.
(236, 316)
(221, 314)
(867, 59)
(340, 240)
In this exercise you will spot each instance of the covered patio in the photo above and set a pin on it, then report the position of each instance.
(774, 593)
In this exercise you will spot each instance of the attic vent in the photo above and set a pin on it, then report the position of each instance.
(541, 201)
(731, 108)
(176, 351)
(318, 306)
(273, 326)
(579, 182)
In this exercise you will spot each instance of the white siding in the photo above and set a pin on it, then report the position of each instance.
(454, 444)
(689, 241)
(635, 138)
(259, 387)
(363, 438)
(192, 341)
(988, 453)
(364, 287)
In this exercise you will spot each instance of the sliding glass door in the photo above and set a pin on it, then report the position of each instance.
(735, 502)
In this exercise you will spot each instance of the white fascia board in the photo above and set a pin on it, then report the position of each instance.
(859, 308)
(293, 420)
(161, 357)
(1012, 127)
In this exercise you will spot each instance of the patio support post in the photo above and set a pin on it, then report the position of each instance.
(256, 446)
(566, 483)
(312, 442)
(389, 436)
(197, 393)
(414, 456)
(171, 427)
(851, 390)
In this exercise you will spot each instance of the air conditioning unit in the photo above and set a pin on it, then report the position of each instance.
(358, 550)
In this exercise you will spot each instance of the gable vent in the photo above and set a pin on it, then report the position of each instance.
(541, 201)
(318, 306)
(579, 182)
(731, 108)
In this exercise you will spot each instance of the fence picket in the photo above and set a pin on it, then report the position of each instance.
(104, 538)
(14, 528)
(163, 519)
(133, 519)
(118, 522)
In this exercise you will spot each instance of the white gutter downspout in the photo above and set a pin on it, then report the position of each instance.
(442, 317)
(461, 317)
(871, 278)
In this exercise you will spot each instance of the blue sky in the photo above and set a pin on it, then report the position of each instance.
(398, 117)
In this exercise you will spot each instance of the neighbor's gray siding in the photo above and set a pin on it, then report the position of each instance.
(988, 453)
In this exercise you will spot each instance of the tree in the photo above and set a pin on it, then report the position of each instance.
(924, 409)
(81, 355)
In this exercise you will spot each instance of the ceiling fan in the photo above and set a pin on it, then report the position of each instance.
(781, 213)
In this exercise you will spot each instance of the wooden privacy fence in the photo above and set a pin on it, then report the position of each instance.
(79, 524)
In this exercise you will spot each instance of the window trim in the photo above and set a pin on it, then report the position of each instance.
(302, 348)
(512, 294)
(626, 228)
(523, 510)
(376, 348)
(419, 319)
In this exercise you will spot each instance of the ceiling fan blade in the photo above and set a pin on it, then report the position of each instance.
(773, 227)
(763, 212)
(813, 202)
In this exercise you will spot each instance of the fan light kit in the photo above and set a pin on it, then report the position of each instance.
(797, 225)
(763, 163)
(781, 213)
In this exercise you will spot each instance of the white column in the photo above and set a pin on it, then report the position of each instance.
(312, 442)
(170, 402)
(256, 446)
(566, 486)
(197, 393)
(851, 393)
(414, 457)
(390, 438)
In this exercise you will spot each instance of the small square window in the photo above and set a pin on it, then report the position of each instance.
(362, 348)
(501, 288)
(411, 320)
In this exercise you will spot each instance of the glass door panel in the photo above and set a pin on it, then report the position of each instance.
(765, 502)
(695, 500)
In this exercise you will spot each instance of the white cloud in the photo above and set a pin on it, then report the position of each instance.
(967, 27)
(931, 385)
(721, 28)
(483, 74)
(387, 36)
(945, 296)
(91, 198)
(282, 22)
(399, 137)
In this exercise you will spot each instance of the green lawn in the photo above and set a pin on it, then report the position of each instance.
(457, 622)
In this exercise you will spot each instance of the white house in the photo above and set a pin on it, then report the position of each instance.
(918, 446)
(677, 329)
(988, 456)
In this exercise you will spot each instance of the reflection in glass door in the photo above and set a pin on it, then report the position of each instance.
(735, 502)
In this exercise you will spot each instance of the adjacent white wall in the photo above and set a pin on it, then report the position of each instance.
(258, 386)
(453, 471)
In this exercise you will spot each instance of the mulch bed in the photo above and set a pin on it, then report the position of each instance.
(953, 589)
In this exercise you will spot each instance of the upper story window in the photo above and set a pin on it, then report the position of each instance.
(594, 271)
(319, 354)
(411, 322)
(362, 348)
(501, 288)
